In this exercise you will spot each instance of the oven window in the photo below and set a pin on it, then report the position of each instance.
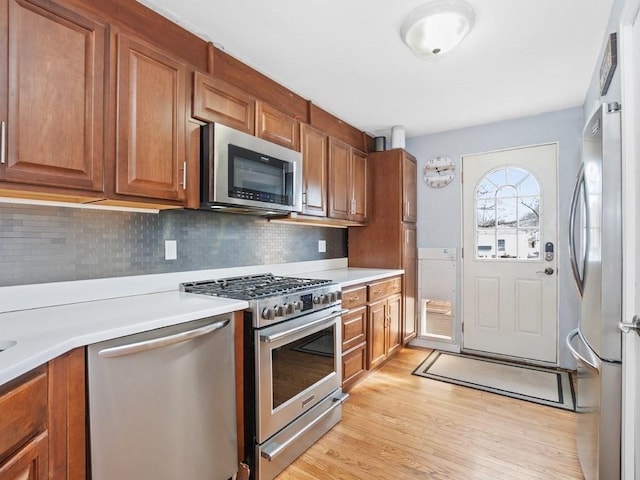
(300, 364)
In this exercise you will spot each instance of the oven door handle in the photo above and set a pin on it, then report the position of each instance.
(278, 448)
(277, 336)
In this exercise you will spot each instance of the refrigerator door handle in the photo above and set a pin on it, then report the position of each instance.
(634, 325)
(589, 363)
(575, 197)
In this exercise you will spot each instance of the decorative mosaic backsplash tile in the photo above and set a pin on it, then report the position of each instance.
(50, 244)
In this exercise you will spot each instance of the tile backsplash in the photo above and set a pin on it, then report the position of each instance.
(50, 244)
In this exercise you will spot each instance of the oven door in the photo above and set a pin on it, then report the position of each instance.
(298, 364)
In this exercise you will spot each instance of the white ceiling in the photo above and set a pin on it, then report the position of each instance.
(522, 57)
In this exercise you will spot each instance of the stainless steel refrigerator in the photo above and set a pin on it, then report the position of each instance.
(596, 257)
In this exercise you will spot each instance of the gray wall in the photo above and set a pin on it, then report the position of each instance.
(51, 244)
(440, 210)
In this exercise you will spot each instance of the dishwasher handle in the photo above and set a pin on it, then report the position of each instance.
(145, 345)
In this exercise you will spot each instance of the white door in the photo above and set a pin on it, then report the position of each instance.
(510, 251)
(630, 60)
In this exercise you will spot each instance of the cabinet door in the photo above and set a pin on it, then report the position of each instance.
(217, 101)
(51, 103)
(151, 122)
(358, 186)
(353, 366)
(376, 337)
(277, 127)
(409, 189)
(394, 317)
(410, 289)
(354, 328)
(314, 148)
(28, 463)
(339, 181)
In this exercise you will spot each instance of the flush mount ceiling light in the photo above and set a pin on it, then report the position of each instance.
(437, 27)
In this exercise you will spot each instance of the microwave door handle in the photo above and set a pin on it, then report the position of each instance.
(277, 336)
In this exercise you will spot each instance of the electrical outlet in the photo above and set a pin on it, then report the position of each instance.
(322, 246)
(170, 249)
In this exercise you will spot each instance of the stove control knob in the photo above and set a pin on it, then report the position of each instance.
(269, 313)
(339, 295)
(290, 308)
(333, 297)
(297, 305)
(326, 299)
(281, 310)
(316, 300)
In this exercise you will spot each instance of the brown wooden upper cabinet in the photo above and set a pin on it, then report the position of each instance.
(216, 101)
(347, 182)
(151, 153)
(409, 189)
(314, 148)
(52, 95)
(276, 126)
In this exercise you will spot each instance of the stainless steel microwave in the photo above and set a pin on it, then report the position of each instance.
(241, 173)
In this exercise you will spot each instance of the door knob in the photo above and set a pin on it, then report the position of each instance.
(634, 325)
(546, 271)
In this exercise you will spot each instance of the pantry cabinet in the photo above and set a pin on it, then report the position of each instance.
(52, 91)
(389, 238)
(347, 182)
(151, 155)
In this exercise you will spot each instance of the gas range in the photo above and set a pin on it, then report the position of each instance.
(272, 298)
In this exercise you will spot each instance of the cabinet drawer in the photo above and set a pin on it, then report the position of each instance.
(353, 328)
(23, 412)
(354, 298)
(353, 365)
(384, 288)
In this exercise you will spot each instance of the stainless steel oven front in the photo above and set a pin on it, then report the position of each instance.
(298, 363)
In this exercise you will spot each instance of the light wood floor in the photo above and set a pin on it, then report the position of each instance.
(399, 426)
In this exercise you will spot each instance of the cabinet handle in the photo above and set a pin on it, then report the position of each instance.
(3, 143)
(353, 206)
(304, 198)
(184, 175)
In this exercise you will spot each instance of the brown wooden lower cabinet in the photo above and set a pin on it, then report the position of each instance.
(384, 329)
(28, 463)
(354, 365)
(372, 329)
(42, 422)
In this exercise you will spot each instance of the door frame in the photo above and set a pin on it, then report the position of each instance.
(558, 251)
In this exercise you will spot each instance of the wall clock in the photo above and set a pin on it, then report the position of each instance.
(439, 171)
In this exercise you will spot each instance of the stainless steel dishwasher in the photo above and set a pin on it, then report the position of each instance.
(162, 404)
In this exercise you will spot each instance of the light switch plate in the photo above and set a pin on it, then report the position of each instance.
(322, 246)
(170, 249)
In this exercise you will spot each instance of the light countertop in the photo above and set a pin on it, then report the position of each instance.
(48, 331)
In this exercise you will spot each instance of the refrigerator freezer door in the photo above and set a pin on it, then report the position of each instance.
(602, 283)
(598, 407)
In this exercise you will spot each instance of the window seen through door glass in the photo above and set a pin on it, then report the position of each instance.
(507, 204)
